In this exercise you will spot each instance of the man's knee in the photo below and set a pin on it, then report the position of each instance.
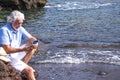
(28, 70)
(28, 73)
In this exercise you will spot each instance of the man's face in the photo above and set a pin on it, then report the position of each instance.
(18, 23)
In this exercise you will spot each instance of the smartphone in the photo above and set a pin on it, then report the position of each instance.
(35, 42)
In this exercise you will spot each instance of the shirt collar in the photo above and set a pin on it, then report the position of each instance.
(11, 29)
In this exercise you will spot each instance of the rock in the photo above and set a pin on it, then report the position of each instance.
(21, 4)
(7, 72)
(0, 8)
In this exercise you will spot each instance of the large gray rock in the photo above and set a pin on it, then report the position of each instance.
(21, 4)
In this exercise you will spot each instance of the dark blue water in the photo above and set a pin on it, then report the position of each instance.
(75, 31)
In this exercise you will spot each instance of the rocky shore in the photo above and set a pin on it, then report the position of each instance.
(21, 4)
(7, 72)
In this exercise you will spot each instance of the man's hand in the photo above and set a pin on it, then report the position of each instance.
(28, 47)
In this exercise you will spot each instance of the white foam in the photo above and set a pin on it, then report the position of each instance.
(77, 5)
(82, 56)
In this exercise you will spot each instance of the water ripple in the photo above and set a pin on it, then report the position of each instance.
(77, 5)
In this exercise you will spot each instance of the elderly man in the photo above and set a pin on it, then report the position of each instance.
(11, 36)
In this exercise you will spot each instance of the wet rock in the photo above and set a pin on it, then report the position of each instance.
(21, 4)
(101, 73)
(69, 45)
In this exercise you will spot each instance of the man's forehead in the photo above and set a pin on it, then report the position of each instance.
(19, 20)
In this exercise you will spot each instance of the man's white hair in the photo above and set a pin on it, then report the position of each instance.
(15, 15)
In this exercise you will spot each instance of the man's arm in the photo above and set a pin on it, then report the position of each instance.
(31, 39)
(10, 49)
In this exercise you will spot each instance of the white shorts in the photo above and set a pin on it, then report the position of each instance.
(16, 60)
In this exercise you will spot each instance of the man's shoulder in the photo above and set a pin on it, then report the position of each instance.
(5, 27)
(21, 29)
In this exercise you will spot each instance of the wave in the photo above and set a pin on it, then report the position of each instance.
(77, 5)
(83, 56)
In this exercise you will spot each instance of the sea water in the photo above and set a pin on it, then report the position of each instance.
(77, 31)
(79, 39)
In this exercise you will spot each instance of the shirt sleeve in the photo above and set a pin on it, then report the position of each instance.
(4, 37)
(25, 34)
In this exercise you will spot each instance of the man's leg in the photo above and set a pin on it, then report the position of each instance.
(28, 55)
(29, 71)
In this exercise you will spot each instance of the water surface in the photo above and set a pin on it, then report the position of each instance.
(78, 31)
(79, 39)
